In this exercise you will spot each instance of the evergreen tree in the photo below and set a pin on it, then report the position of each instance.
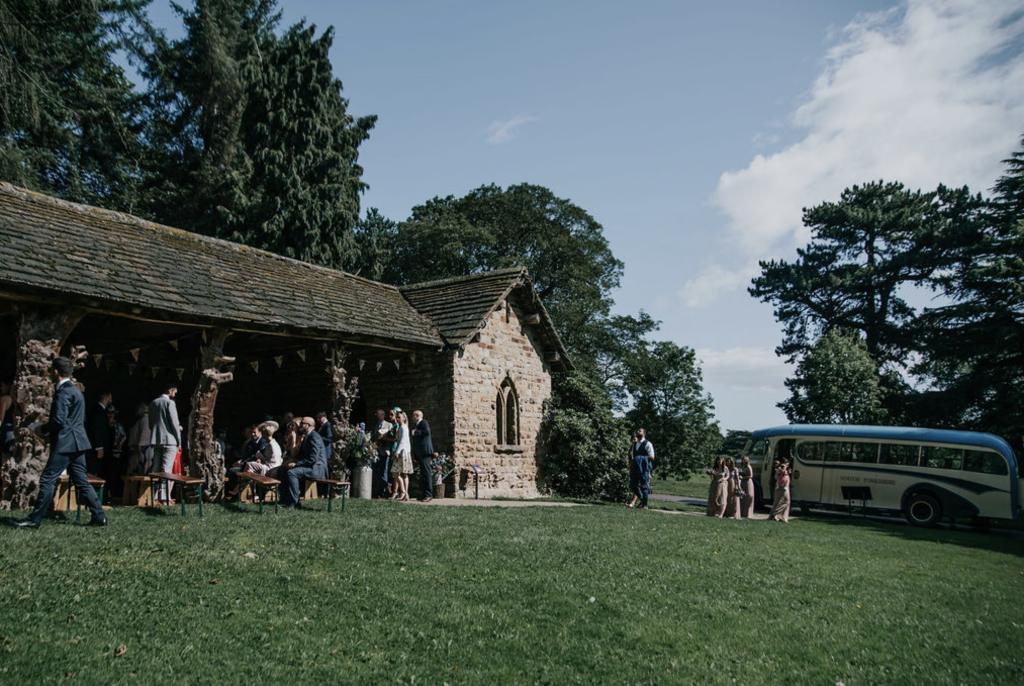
(69, 121)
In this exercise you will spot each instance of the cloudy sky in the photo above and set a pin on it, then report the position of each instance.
(694, 132)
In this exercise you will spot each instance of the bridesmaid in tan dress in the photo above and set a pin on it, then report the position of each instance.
(718, 494)
(780, 509)
(747, 486)
(732, 508)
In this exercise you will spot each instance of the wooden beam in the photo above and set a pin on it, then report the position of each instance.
(532, 320)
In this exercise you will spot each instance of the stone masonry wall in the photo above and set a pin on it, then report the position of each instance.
(507, 349)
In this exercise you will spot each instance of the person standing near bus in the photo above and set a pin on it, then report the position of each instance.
(643, 457)
(732, 508)
(780, 508)
(747, 487)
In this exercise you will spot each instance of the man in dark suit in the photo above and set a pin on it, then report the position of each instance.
(310, 463)
(100, 435)
(423, 452)
(68, 445)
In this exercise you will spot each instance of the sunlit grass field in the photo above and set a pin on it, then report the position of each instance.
(391, 593)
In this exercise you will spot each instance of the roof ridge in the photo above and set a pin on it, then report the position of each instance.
(469, 277)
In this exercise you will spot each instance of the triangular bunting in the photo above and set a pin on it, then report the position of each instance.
(180, 372)
(204, 336)
(98, 357)
(174, 344)
(361, 363)
(135, 354)
(279, 359)
(379, 365)
(398, 364)
(155, 370)
(301, 354)
(255, 364)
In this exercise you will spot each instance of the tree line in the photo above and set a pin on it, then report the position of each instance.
(907, 308)
(240, 130)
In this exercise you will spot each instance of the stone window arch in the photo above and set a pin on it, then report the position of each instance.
(506, 411)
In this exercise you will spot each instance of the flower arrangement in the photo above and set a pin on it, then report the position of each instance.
(441, 466)
(358, 449)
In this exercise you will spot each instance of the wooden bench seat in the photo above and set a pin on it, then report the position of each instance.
(257, 482)
(65, 496)
(183, 482)
(137, 491)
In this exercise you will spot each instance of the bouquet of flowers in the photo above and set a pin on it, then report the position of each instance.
(441, 466)
(358, 449)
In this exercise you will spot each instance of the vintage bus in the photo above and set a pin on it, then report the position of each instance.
(926, 474)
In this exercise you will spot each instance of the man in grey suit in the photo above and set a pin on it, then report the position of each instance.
(165, 434)
(310, 463)
(68, 445)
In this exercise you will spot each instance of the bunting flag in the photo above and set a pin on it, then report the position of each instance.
(135, 354)
(204, 335)
(180, 372)
(301, 354)
(397, 365)
(361, 363)
(379, 365)
(412, 358)
(255, 364)
(280, 360)
(155, 371)
(174, 344)
(131, 369)
(98, 357)
(324, 346)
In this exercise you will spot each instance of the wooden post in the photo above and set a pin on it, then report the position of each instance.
(204, 462)
(343, 394)
(41, 333)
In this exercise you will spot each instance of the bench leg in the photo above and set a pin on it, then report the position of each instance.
(199, 490)
(329, 498)
(344, 492)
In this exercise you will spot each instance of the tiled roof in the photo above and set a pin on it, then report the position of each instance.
(118, 263)
(460, 306)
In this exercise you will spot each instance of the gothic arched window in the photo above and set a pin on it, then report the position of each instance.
(506, 411)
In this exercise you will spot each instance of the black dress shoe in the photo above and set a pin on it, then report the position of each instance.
(23, 524)
(97, 522)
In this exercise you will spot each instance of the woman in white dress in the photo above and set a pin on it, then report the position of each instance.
(401, 461)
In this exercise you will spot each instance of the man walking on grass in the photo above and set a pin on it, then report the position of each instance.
(68, 445)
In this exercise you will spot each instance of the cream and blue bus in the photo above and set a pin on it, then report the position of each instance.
(926, 474)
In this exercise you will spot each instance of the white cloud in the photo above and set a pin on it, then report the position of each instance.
(743, 369)
(505, 131)
(929, 92)
(713, 280)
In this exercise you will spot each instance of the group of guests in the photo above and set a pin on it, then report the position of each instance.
(397, 444)
(731, 493)
(302, 454)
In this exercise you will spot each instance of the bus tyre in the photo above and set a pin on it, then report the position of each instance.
(922, 510)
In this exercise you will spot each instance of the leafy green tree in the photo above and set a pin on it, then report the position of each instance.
(584, 447)
(735, 441)
(974, 346)
(374, 238)
(664, 382)
(252, 140)
(864, 250)
(837, 382)
(69, 121)
(561, 245)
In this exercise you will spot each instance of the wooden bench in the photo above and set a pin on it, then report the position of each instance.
(182, 481)
(331, 483)
(257, 482)
(137, 491)
(66, 492)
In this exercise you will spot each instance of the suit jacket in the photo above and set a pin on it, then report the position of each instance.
(422, 445)
(67, 421)
(163, 422)
(325, 433)
(313, 454)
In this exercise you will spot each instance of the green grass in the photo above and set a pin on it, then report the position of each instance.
(465, 595)
(694, 487)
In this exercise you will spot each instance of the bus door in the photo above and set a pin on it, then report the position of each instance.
(805, 485)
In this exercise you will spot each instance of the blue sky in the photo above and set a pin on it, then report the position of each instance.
(694, 132)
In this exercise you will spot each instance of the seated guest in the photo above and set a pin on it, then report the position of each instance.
(310, 463)
(290, 444)
(269, 458)
(250, 449)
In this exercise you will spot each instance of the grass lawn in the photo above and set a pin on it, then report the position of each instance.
(465, 595)
(694, 487)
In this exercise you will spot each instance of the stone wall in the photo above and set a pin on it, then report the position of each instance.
(507, 348)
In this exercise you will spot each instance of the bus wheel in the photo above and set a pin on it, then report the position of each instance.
(922, 510)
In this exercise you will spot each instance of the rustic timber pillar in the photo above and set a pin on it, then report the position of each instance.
(41, 333)
(343, 394)
(203, 461)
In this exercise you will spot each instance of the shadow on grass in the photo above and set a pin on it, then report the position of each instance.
(995, 540)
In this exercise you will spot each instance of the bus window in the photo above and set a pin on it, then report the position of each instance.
(811, 451)
(830, 451)
(984, 462)
(859, 452)
(896, 453)
(939, 457)
(756, 449)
